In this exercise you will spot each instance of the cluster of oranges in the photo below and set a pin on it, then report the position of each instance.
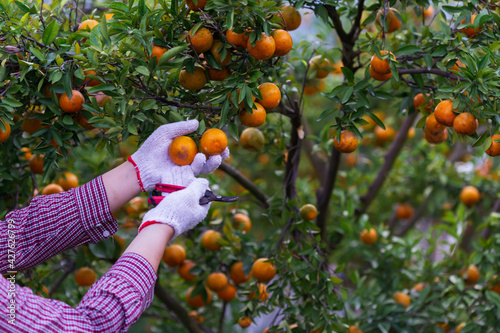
(204, 44)
(222, 283)
(183, 149)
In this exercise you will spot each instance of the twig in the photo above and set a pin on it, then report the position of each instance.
(390, 157)
(69, 269)
(37, 42)
(496, 208)
(176, 308)
(246, 183)
(337, 23)
(221, 318)
(420, 211)
(318, 163)
(428, 71)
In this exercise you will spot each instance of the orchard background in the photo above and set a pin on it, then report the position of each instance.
(411, 87)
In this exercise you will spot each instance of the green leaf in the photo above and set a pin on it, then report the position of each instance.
(22, 6)
(171, 53)
(132, 129)
(37, 53)
(104, 30)
(347, 94)
(408, 49)
(101, 87)
(376, 120)
(50, 33)
(143, 70)
(67, 84)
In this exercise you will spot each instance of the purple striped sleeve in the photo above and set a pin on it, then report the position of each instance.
(112, 304)
(54, 223)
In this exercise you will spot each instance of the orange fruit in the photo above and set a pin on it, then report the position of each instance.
(36, 164)
(368, 237)
(210, 240)
(88, 24)
(465, 123)
(194, 81)
(352, 329)
(216, 49)
(25, 154)
(283, 41)
(419, 286)
(195, 7)
(85, 277)
(228, 293)
(271, 95)
(470, 32)
(435, 137)
(237, 274)
(81, 120)
(314, 86)
(52, 189)
(471, 274)
(196, 317)
(174, 255)
(381, 66)
(198, 301)
(348, 142)
(308, 212)
(217, 281)
(263, 294)
(5, 135)
(102, 99)
(244, 322)
(68, 180)
(263, 270)
(459, 327)
(182, 150)
(109, 16)
(494, 149)
(31, 125)
(252, 139)
(444, 113)
(456, 67)
(321, 65)
(157, 52)
(201, 41)
(184, 269)
(469, 196)
(384, 135)
(402, 298)
(242, 221)
(393, 21)
(213, 142)
(432, 125)
(91, 82)
(75, 104)
(254, 119)
(135, 206)
(290, 18)
(263, 48)
(420, 99)
(238, 40)
(218, 74)
(379, 77)
(404, 211)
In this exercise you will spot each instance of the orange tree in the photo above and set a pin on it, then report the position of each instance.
(408, 110)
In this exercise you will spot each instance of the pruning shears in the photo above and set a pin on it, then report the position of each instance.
(155, 197)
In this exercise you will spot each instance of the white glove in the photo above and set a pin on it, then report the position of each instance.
(181, 210)
(151, 160)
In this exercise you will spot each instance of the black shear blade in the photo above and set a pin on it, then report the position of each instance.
(210, 196)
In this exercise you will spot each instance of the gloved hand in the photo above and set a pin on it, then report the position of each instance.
(151, 160)
(181, 210)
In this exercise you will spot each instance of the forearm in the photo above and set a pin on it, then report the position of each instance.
(121, 185)
(151, 243)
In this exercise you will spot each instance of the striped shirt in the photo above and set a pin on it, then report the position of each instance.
(50, 225)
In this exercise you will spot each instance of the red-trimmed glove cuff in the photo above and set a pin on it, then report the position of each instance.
(137, 172)
(145, 224)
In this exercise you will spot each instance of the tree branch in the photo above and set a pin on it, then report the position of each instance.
(176, 308)
(246, 183)
(323, 195)
(496, 208)
(317, 162)
(428, 71)
(390, 157)
(357, 21)
(334, 15)
(420, 211)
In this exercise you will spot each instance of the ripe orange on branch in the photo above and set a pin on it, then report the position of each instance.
(435, 137)
(252, 139)
(263, 270)
(290, 18)
(471, 275)
(244, 322)
(68, 180)
(432, 125)
(348, 142)
(198, 301)
(379, 77)
(201, 41)
(444, 113)
(494, 149)
(271, 95)
(36, 164)
(404, 211)
(182, 150)
(420, 99)
(238, 40)
(217, 281)
(393, 22)
(4, 135)
(75, 104)
(470, 32)
(194, 81)
(213, 142)
(174, 255)
(254, 119)
(263, 294)
(195, 7)
(85, 277)
(52, 189)
(210, 240)
(237, 274)
(242, 221)
(88, 24)
(308, 212)
(469, 196)
(321, 65)
(368, 237)
(465, 123)
(184, 270)
(216, 50)
(157, 52)
(228, 293)
(283, 41)
(381, 66)
(263, 48)
(402, 298)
